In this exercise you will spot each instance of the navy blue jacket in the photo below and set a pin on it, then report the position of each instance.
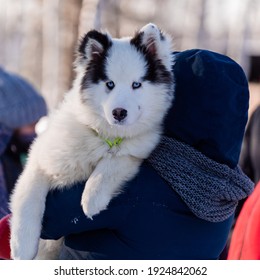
(149, 220)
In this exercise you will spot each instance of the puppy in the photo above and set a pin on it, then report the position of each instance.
(109, 122)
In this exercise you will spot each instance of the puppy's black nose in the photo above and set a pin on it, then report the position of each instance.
(119, 114)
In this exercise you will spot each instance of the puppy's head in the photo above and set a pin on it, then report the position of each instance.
(126, 83)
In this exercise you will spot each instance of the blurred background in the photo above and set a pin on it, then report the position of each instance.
(38, 37)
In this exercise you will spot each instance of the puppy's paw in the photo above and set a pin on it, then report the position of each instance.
(23, 248)
(24, 238)
(94, 201)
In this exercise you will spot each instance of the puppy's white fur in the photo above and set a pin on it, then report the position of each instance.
(73, 148)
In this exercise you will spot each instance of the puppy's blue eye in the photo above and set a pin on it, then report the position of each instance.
(110, 85)
(136, 85)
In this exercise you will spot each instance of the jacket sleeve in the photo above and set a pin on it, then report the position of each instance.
(64, 215)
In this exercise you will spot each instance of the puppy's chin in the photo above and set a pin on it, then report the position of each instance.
(121, 124)
(116, 123)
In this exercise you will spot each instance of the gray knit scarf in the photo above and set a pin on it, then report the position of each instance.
(211, 190)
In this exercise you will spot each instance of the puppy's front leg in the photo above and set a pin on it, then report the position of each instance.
(105, 182)
(27, 207)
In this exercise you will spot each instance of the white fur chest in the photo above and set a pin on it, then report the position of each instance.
(68, 151)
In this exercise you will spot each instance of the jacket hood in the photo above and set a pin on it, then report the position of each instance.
(210, 109)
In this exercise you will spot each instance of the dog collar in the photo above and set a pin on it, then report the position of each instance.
(113, 143)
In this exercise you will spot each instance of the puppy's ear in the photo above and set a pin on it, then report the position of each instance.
(92, 46)
(151, 40)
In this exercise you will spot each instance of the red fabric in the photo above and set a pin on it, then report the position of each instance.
(245, 241)
(4, 238)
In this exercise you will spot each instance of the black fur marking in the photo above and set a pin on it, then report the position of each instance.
(82, 45)
(93, 34)
(95, 70)
(137, 40)
(156, 71)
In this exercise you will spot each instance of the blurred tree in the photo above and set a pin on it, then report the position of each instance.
(88, 16)
(31, 43)
(10, 34)
(50, 56)
(60, 33)
(38, 39)
(68, 26)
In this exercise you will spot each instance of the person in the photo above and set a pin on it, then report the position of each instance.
(250, 153)
(182, 202)
(245, 240)
(21, 106)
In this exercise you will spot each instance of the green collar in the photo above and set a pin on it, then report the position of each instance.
(113, 143)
